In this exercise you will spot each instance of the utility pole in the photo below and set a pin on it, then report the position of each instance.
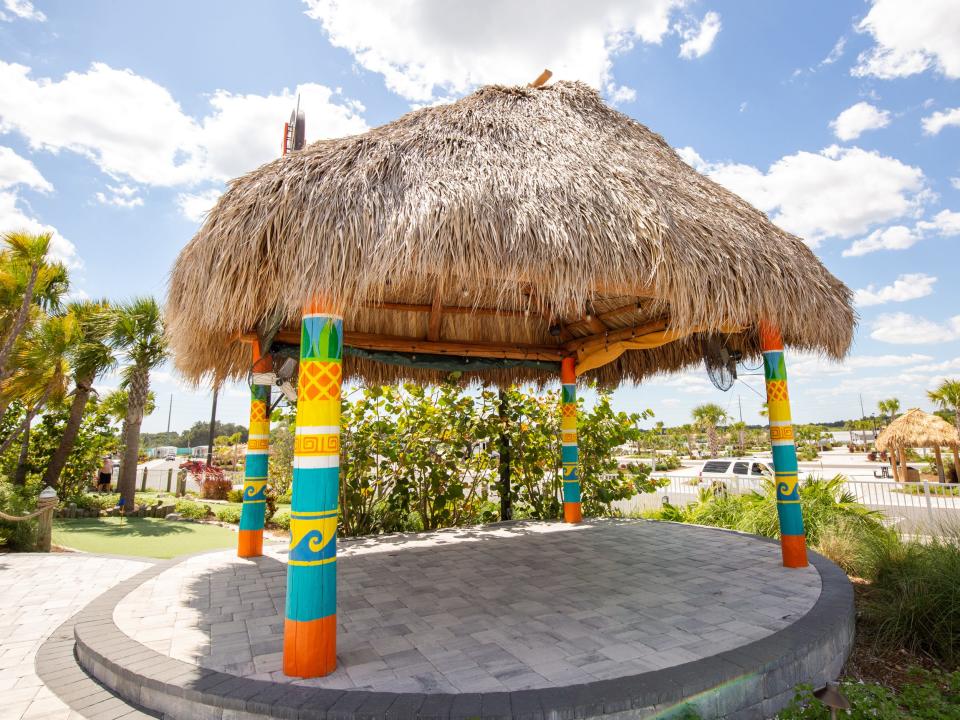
(170, 413)
(213, 422)
(740, 409)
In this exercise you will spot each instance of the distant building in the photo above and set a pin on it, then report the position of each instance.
(200, 451)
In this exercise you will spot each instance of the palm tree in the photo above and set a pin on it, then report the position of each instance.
(90, 356)
(41, 371)
(138, 332)
(30, 252)
(889, 408)
(708, 416)
(947, 396)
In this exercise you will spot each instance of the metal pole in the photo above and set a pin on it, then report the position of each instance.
(213, 422)
(170, 413)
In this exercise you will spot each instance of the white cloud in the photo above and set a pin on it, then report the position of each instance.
(12, 217)
(133, 128)
(945, 223)
(838, 192)
(895, 237)
(698, 40)
(22, 9)
(836, 52)
(195, 206)
(122, 196)
(805, 364)
(910, 38)
(933, 124)
(857, 119)
(244, 131)
(17, 170)
(906, 329)
(955, 182)
(425, 48)
(906, 287)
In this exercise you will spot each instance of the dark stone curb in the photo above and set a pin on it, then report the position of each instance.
(751, 681)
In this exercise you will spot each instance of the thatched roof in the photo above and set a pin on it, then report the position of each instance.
(533, 207)
(915, 428)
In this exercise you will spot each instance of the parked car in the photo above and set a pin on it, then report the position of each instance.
(170, 457)
(720, 468)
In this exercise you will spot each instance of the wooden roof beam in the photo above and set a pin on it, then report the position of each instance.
(372, 341)
(612, 336)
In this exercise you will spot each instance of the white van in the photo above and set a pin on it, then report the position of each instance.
(721, 468)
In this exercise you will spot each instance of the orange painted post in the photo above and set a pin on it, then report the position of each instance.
(253, 510)
(310, 630)
(793, 542)
(570, 455)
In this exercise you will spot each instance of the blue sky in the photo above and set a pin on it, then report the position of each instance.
(120, 122)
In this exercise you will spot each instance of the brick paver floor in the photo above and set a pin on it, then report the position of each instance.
(527, 605)
(38, 592)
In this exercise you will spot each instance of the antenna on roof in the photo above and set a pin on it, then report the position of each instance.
(541, 79)
(295, 131)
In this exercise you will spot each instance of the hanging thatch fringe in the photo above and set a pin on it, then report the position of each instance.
(539, 200)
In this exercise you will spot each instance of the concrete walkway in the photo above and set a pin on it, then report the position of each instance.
(38, 592)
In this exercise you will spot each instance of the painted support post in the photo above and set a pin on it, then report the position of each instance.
(253, 510)
(793, 542)
(569, 453)
(310, 631)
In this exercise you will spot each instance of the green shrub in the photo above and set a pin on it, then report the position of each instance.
(17, 500)
(192, 510)
(286, 498)
(228, 514)
(281, 519)
(913, 602)
(927, 695)
(235, 496)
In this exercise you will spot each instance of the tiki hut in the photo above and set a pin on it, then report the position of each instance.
(520, 234)
(918, 429)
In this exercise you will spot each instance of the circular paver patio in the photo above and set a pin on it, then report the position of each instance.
(499, 608)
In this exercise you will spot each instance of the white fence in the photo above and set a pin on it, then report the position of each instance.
(910, 506)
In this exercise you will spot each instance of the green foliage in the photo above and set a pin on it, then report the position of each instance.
(235, 496)
(927, 695)
(228, 514)
(95, 438)
(806, 453)
(19, 500)
(281, 519)
(192, 510)
(913, 601)
(196, 434)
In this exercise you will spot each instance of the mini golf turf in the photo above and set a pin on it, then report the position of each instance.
(140, 537)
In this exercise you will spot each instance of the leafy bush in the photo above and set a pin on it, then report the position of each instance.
(281, 519)
(228, 514)
(192, 510)
(235, 496)
(928, 695)
(913, 600)
(19, 500)
(807, 453)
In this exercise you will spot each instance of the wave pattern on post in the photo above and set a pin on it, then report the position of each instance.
(569, 451)
(253, 510)
(310, 632)
(793, 542)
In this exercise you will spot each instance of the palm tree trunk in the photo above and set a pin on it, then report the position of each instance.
(936, 451)
(20, 474)
(136, 400)
(20, 321)
(81, 396)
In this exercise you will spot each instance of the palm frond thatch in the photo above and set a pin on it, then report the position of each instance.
(916, 428)
(543, 201)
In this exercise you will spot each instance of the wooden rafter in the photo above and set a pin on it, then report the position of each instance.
(372, 341)
(616, 335)
(603, 317)
(446, 309)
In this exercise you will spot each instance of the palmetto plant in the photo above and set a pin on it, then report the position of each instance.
(90, 355)
(138, 333)
(889, 408)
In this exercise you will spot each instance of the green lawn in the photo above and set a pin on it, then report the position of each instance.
(142, 537)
